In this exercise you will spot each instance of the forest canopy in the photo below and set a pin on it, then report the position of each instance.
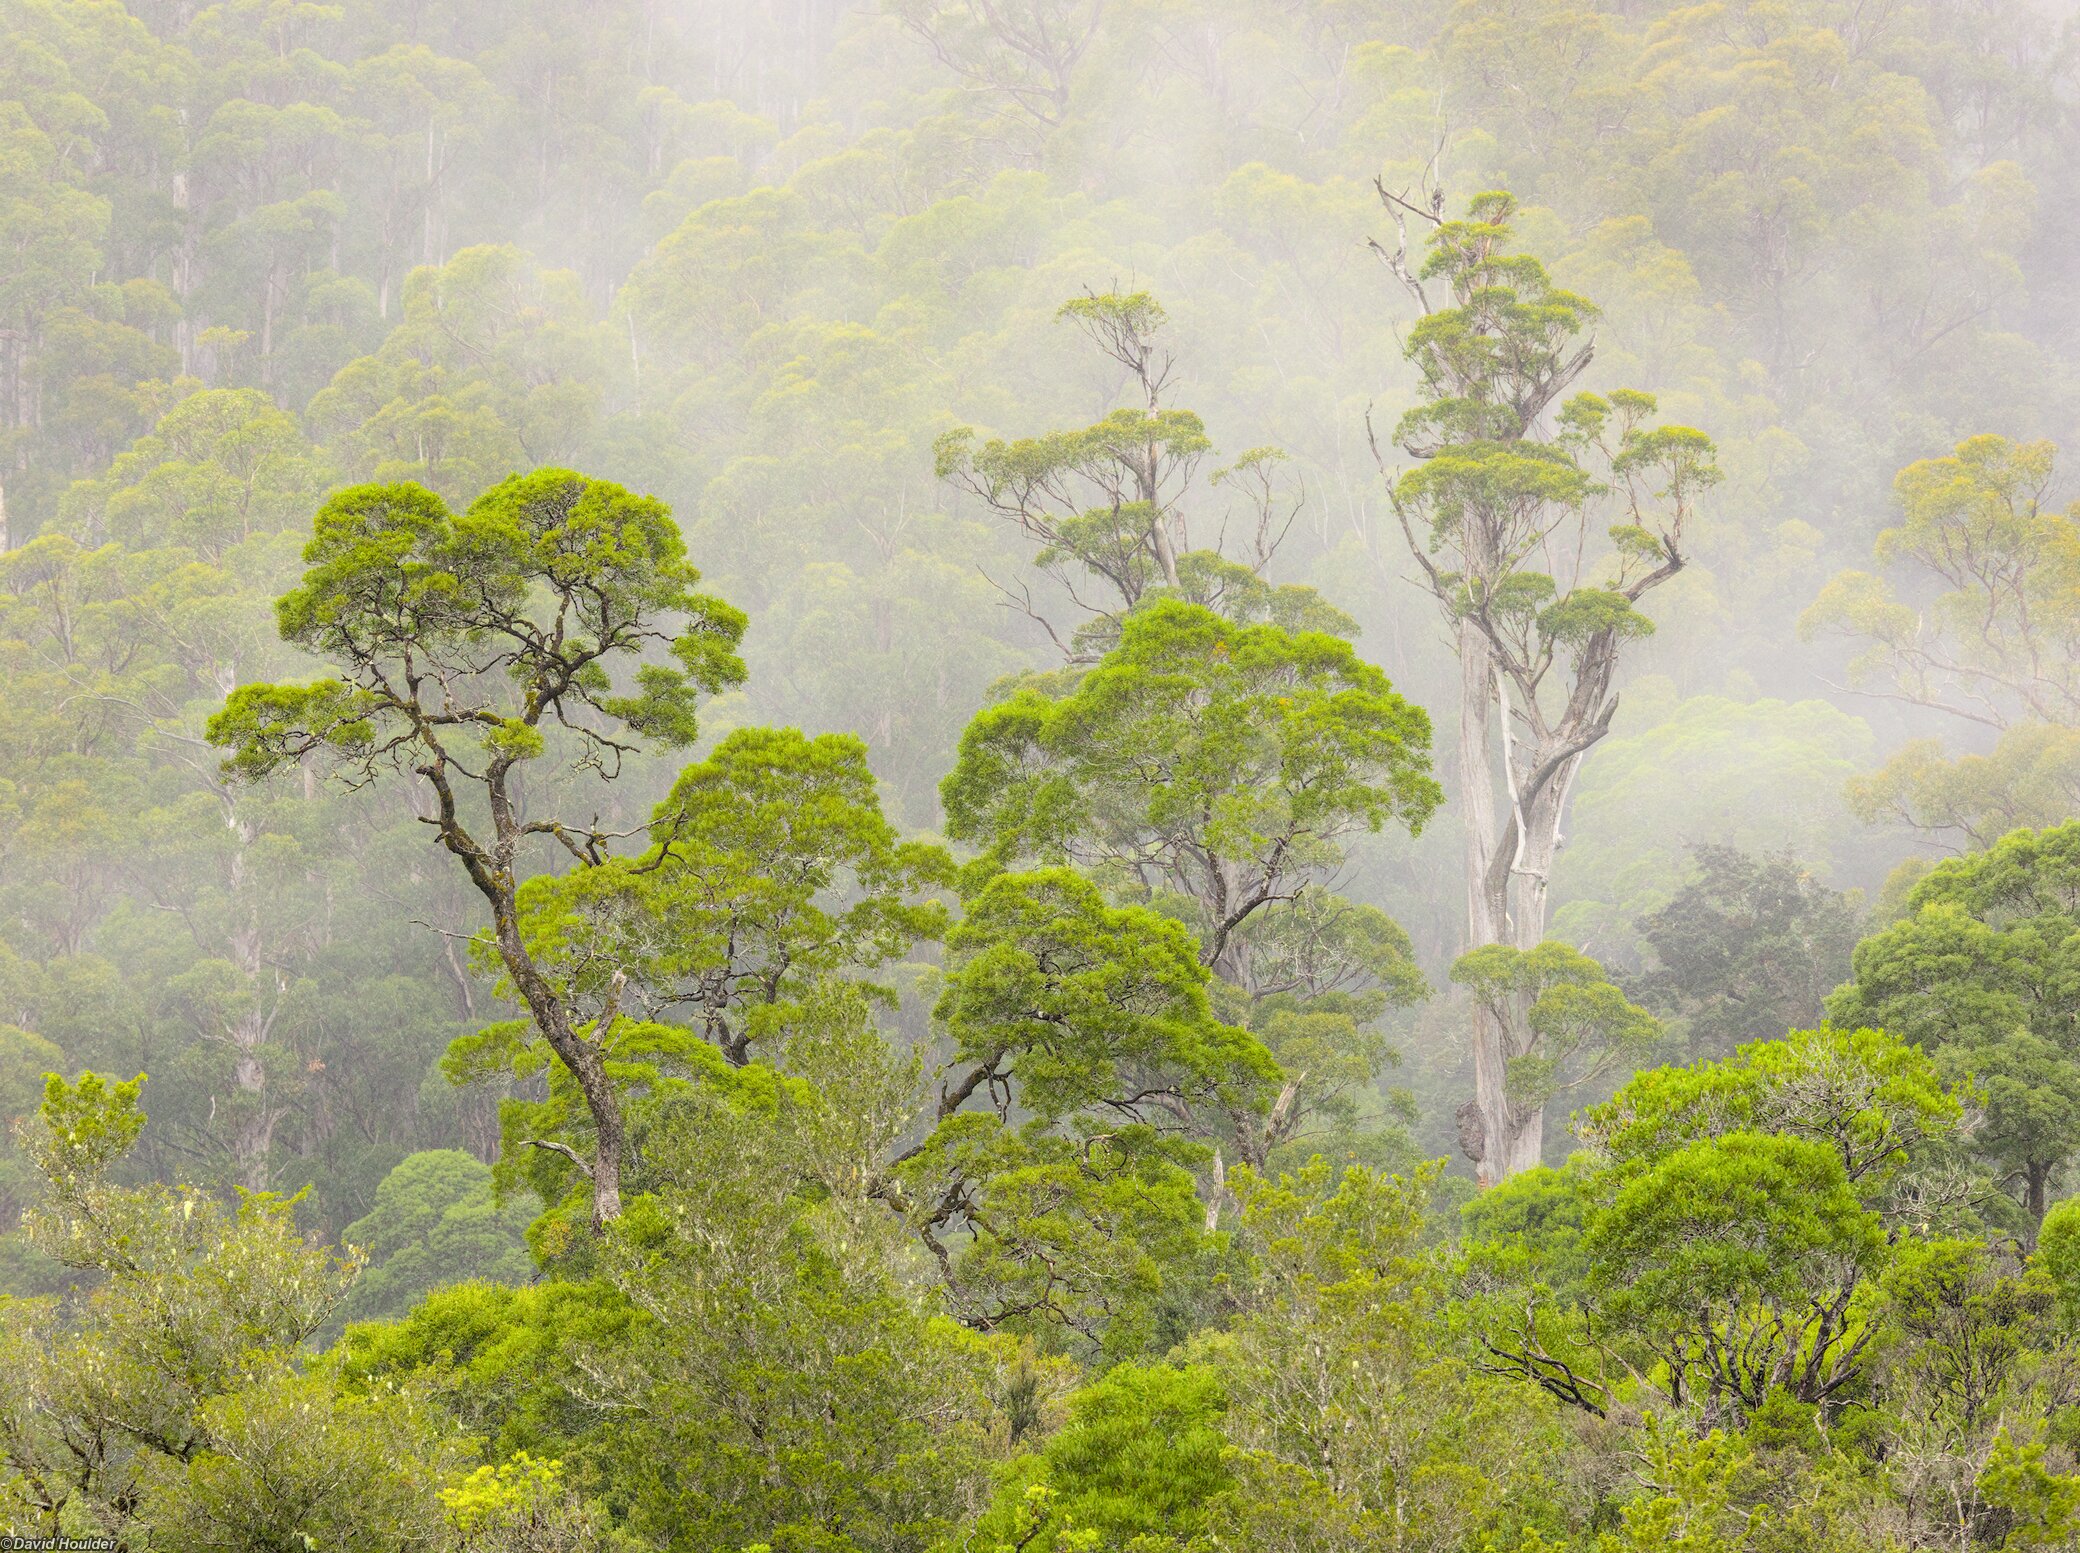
(1040, 776)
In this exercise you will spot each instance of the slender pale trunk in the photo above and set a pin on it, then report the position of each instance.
(253, 1138)
(1166, 552)
(1148, 477)
(1485, 1124)
(252, 1135)
(427, 248)
(1531, 867)
(1509, 862)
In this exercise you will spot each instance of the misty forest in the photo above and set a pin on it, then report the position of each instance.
(1040, 776)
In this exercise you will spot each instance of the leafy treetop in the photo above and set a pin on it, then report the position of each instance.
(1219, 764)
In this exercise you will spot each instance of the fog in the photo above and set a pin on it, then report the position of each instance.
(1458, 553)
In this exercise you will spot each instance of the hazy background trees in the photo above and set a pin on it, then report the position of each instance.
(758, 260)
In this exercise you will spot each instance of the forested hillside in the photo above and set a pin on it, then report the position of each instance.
(1040, 775)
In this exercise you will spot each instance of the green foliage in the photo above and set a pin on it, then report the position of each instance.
(169, 1403)
(2058, 1253)
(546, 580)
(759, 260)
(1138, 1465)
(1749, 948)
(289, 1457)
(2039, 1505)
(504, 1359)
(770, 868)
(1993, 646)
(1326, 971)
(1110, 500)
(1085, 997)
(436, 1220)
(25, 1060)
(1093, 1021)
(772, 897)
(522, 1501)
(648, 1065)
(220, 467)
(1354, 1424)
(1873, 1100)
(1492, 353)
(81, 1130)
(1246, 744)
(1704, 1497)
(781, 1381)
(1217, 771)
(1496, 513)
(1760, 1224)
(1581, 1026)
(1977, 974)
(1728, 1233)
(1111, 538)
(1973, 1324)
(550, 583)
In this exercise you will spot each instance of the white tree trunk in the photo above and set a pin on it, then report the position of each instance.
(1506, 899)
(1486, 1128)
